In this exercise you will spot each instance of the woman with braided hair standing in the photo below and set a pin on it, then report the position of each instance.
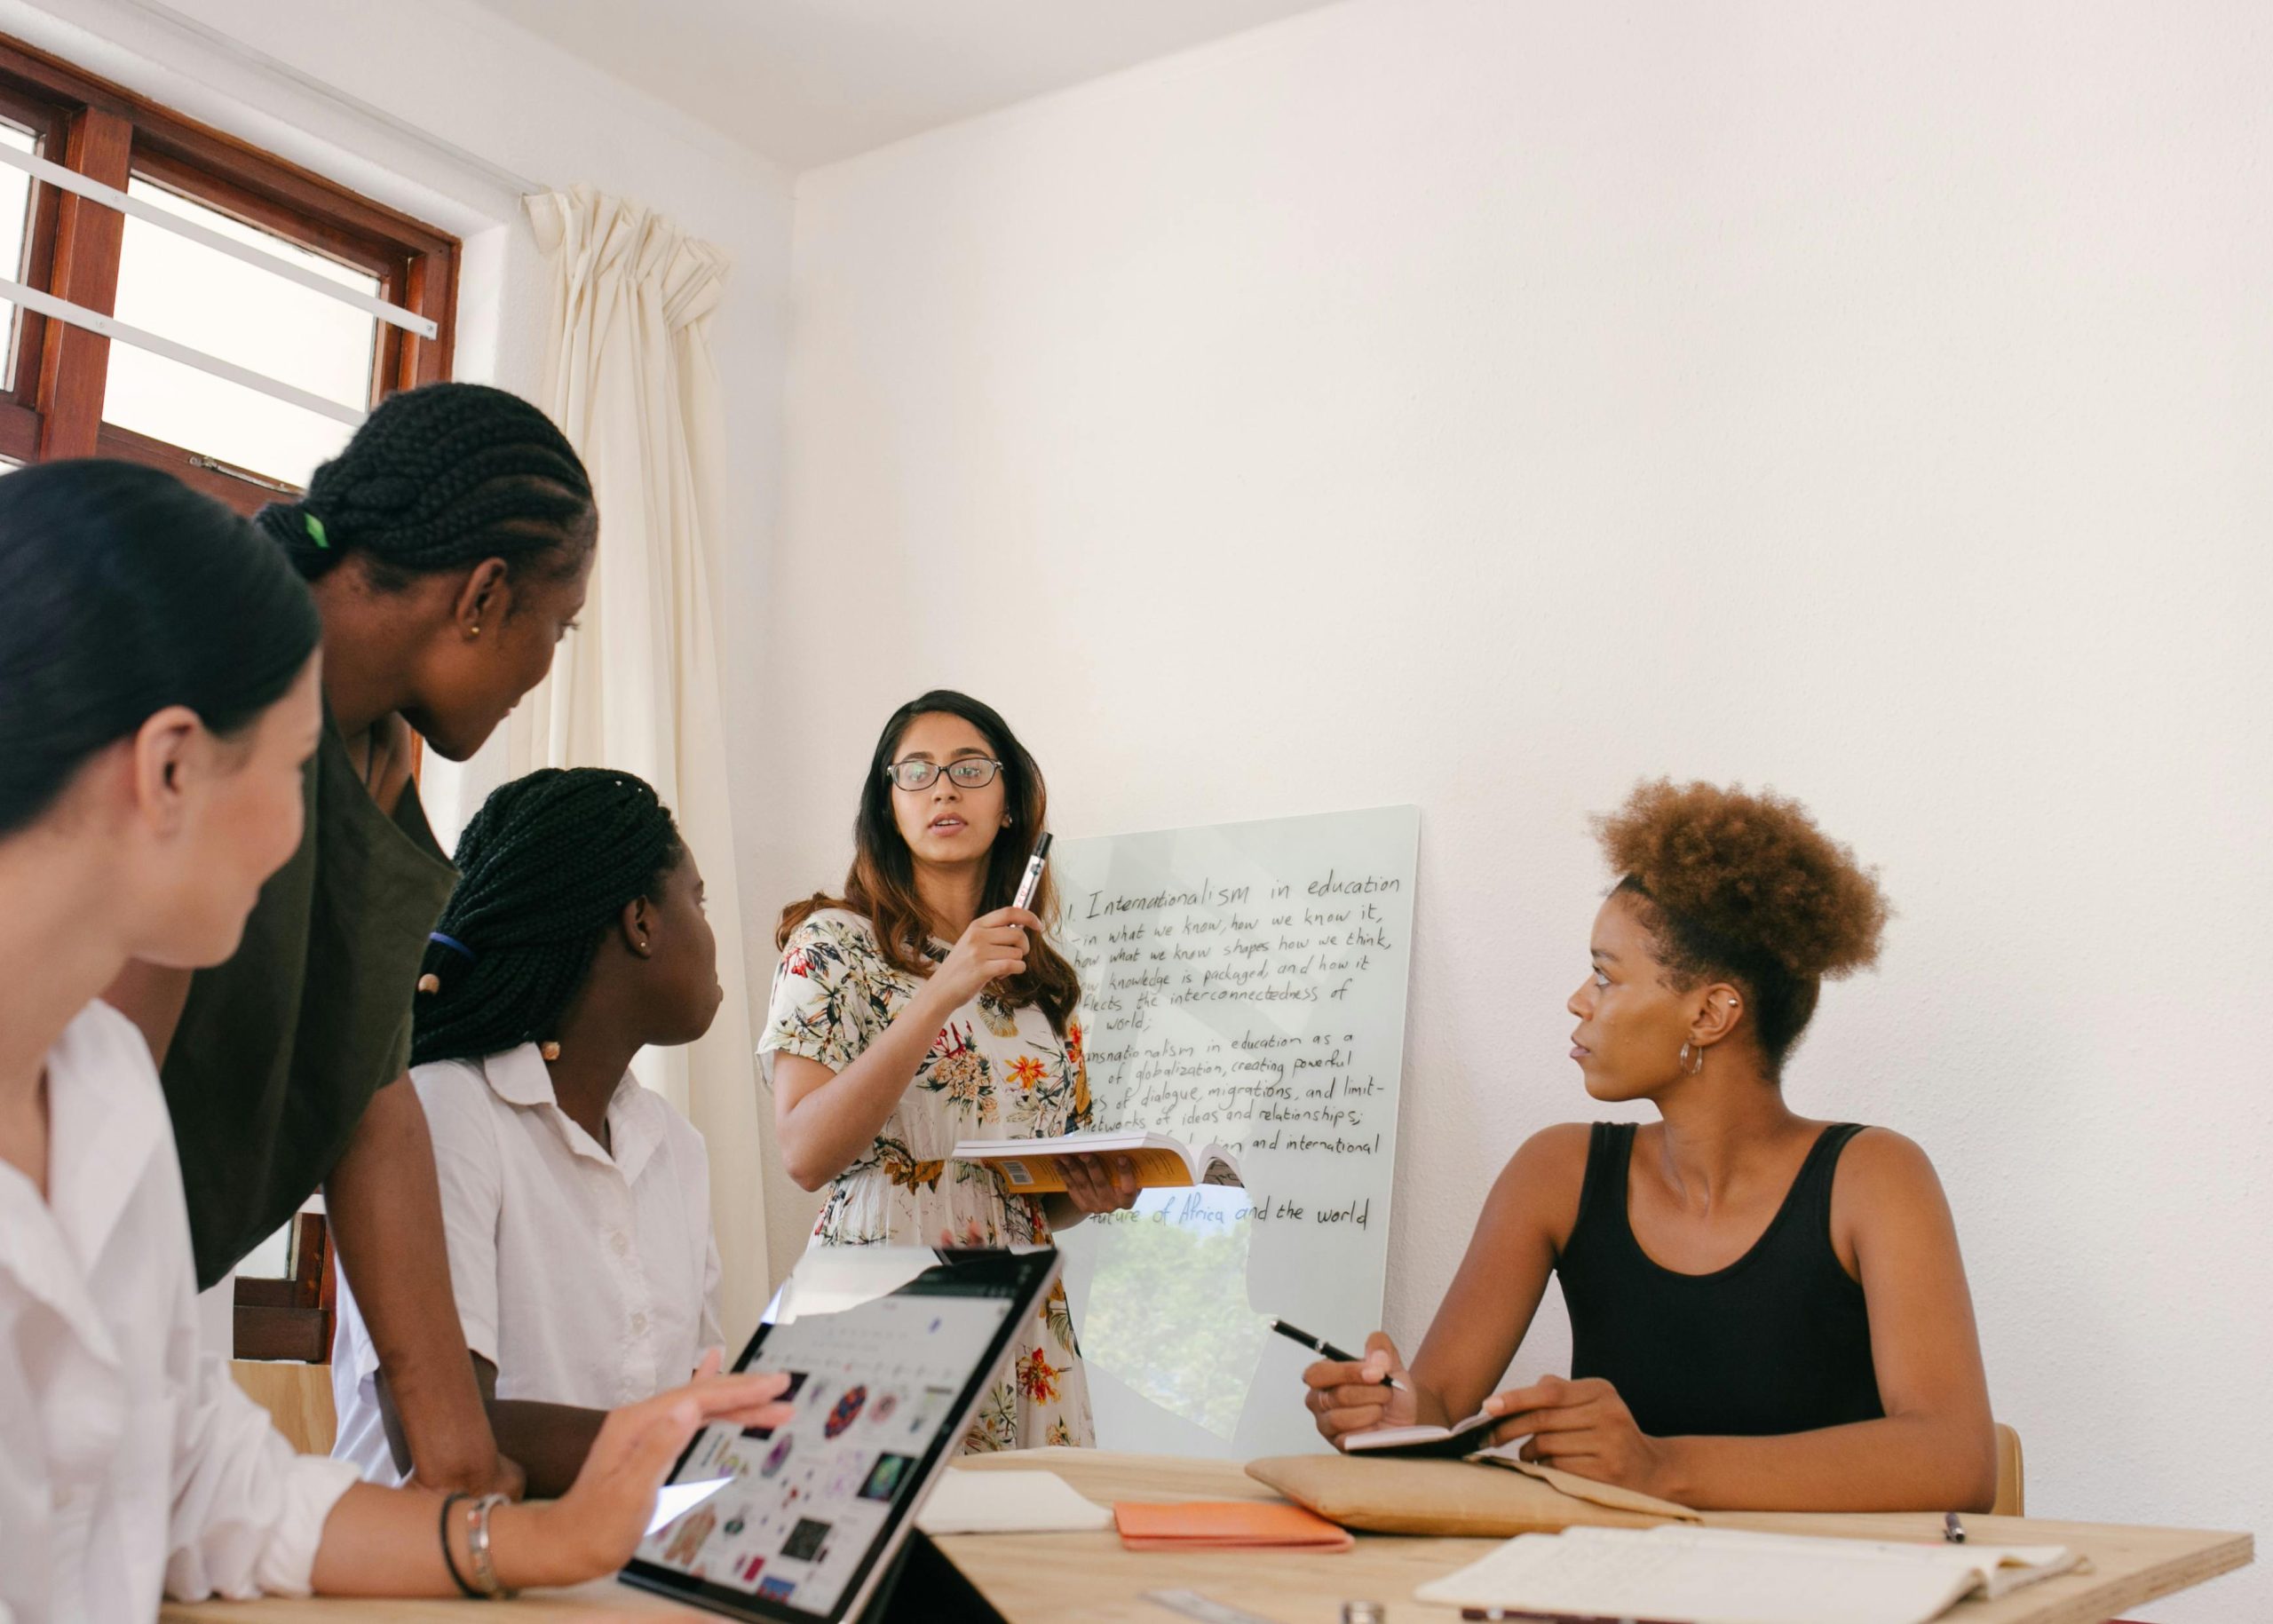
(448, 549)
(577, 1203)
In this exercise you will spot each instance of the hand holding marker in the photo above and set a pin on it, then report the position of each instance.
(1327, 1350)
(1032, 880)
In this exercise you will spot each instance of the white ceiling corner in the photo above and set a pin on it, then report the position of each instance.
(808, 81)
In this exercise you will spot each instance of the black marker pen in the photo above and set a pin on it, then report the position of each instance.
(1324, 1349)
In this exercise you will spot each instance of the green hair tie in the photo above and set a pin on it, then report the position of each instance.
(314, 526)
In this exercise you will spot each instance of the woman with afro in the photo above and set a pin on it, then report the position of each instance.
(1767, 1311)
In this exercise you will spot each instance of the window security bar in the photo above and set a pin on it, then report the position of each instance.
(111, 197)
(110, 327)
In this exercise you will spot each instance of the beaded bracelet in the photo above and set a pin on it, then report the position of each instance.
(485, 1571)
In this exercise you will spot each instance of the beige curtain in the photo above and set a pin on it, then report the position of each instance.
(630, 378)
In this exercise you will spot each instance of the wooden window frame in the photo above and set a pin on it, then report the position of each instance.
(52, 407)
(291, 1317)
(73, 244)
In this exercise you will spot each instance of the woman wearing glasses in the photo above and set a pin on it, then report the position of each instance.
(919, 1009)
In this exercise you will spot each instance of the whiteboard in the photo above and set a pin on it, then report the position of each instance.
(1243, 984)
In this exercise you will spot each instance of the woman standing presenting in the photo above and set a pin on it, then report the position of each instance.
(920, 1009)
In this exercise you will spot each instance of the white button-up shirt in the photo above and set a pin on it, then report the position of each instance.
(129, 1461)
(587, 1276)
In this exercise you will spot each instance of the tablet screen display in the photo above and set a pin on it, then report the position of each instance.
(881, 1391)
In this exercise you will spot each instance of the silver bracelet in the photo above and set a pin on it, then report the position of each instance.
(476, 1539)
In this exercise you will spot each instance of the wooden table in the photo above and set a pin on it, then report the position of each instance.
(1088, 1578)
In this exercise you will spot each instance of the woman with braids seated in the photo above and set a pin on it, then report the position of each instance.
(1767, 1311)
(577, 1203)
(447, 549)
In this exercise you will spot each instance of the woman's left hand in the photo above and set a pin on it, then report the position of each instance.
(1583, 1427)
(1099, 1183)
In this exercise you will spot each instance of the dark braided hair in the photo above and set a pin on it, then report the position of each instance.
(437, 479)
(545, 868)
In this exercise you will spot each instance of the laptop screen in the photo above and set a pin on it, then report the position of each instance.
(789, 1522)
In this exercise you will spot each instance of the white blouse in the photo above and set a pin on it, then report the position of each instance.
(587, 1276)
(130, 1463)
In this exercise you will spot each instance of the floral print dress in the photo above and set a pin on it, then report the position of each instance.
(991, 1072)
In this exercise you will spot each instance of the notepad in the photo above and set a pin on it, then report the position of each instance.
(1453, 1440)
(1029, 1166)
(1689, 1575)
(1232, 1525)
(1008, 1502)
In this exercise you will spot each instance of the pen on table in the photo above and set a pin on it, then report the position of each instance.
(1319, 1344)
(1953, 1530)
(1031, 882)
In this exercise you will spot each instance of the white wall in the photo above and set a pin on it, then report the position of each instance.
(416, 105)
(1487, 405)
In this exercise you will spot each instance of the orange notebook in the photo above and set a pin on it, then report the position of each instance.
(1233, 1525)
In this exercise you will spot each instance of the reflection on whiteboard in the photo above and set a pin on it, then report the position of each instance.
(1167, 1313)
(1245, 984)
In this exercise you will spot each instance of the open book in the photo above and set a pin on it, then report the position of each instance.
(1030, 1166)
(1689, 1575)
(1457, 1439)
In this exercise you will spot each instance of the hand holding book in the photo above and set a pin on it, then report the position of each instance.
(1099, 1183)
(1584, 1426)
(1036, 1167)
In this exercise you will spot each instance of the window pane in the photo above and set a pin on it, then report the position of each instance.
(15, 233)
(200, 296)
(201, 412)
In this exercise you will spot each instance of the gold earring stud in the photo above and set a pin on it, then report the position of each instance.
(429, 983)
(549, 1049)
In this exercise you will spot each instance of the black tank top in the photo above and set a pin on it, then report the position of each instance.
(1778, 1342)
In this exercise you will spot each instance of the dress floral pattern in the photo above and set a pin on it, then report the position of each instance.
(991, 1072)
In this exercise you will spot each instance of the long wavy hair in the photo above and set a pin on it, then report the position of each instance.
(881, 884)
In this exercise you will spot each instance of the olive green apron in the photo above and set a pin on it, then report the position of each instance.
(279, 1050)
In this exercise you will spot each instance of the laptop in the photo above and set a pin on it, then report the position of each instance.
(890, 1352)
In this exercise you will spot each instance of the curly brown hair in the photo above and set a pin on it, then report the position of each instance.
(1746, 887)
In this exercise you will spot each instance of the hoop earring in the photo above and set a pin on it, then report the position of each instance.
(1691, 1059)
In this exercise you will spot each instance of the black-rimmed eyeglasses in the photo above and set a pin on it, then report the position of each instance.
(967, 772)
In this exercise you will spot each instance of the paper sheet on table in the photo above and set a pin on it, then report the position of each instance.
(1729, 1576)
(1008, 1502)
